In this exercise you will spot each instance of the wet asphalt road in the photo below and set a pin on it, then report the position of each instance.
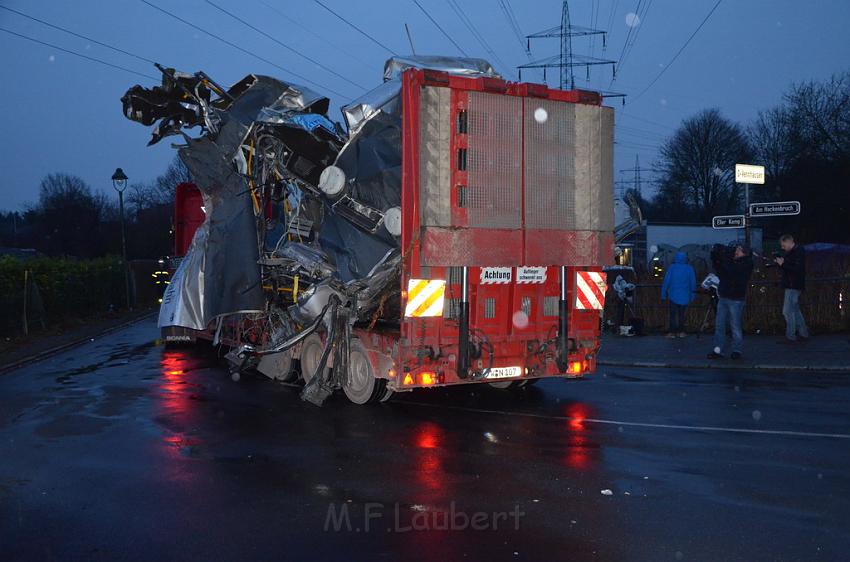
(123, 450)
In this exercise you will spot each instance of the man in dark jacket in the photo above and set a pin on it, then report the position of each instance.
(793, 264)
(733, 267)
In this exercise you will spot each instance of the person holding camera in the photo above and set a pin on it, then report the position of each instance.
(793, 265)
(680, 284)
(733, 265)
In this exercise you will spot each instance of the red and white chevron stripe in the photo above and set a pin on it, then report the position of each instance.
(590, 290)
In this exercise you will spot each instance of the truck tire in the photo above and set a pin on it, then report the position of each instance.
(278, 366)
(311, 353)
(359, 383)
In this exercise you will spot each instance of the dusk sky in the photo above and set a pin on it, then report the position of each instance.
(63, 114)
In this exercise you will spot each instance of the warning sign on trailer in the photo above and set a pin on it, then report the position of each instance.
(590, 290)
(526, 274)
(490, 275)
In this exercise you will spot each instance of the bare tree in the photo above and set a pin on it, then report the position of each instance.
(696, 166)
(819, 114)
(771, 138)
(163, 186)
(69, 217)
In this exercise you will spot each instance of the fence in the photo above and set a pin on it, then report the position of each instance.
(824, 303)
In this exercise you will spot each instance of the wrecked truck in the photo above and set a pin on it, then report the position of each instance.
(453, 232)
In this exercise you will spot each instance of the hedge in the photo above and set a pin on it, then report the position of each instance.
(68, 289)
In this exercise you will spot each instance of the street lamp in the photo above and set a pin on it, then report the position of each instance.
(119, 182)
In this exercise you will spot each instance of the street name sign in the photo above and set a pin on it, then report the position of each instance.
(728, 221)
(747, 173)
(775, 209)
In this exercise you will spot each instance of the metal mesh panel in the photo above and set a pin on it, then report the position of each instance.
(550, 188)
(550, 306)
(489, 308)
(451, 308)
(584, 248)
(434, 157)
(494, 161)
(525, 305)
(455, 275)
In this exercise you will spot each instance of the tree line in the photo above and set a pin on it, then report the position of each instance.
(804, 144)
(71, 219)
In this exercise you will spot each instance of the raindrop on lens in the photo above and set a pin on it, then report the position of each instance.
(520, 319)
(632, 19)
(541, 115)
(756, 415)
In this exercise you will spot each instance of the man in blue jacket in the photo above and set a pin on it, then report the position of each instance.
(680, 285)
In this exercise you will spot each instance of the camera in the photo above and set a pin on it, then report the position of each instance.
(777, 255)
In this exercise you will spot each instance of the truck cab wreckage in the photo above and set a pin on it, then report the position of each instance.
(454, 232)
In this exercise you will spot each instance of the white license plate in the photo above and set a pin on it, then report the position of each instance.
(504, 372)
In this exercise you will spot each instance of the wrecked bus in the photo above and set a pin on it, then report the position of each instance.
(453, 233)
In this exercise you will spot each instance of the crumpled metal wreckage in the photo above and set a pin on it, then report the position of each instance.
(302, 217)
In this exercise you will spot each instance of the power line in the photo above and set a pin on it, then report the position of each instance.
(438, 26)
(241, 49)
(594, 17)
(464, 18)
(360, 31)
(642, 133)
(679, 52)
(640, 19)
(69, 32)
(296, 23)
(657, 124)
(284, 45)
(626, 42)
(75, 53)
(514, 25)
(613, 13)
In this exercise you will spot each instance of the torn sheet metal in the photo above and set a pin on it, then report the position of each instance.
(384, 98)
(453, 65)
(302, 216)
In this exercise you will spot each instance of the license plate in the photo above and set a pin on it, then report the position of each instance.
(504, 372)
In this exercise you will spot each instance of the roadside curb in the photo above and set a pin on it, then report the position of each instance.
(728, 366)
(40, 356)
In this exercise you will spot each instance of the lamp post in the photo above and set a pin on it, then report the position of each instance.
(119, 182)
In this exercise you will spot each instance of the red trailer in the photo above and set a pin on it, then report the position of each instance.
(499, 260)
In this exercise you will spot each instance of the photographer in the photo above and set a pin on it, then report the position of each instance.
(793, 265)
(733, 265)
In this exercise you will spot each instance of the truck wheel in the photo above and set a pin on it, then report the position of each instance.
(360, 384)
(388, 393)
(277, 366)
(311, 353)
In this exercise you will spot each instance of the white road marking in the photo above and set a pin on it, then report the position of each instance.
(779, 432)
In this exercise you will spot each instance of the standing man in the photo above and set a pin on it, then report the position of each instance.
(680, 284)
(793, 265)
(733, 266)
